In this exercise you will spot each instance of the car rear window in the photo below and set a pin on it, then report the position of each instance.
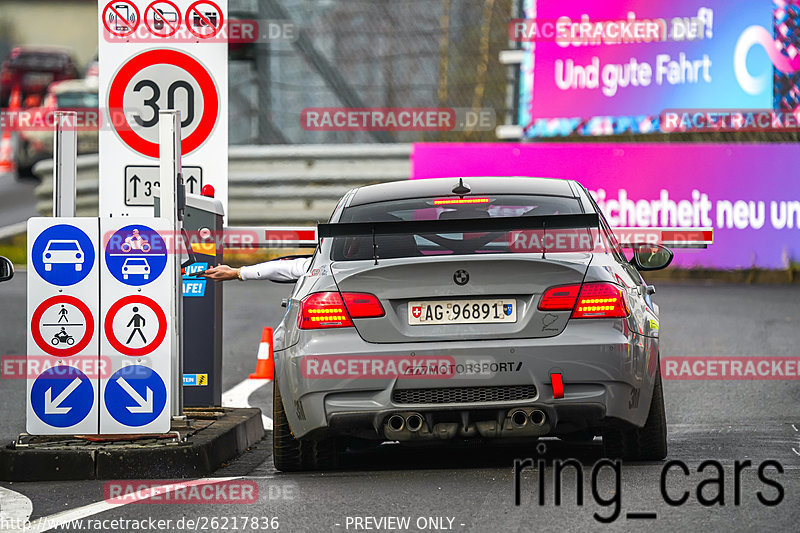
(39, 61)
(450, 208)
(77, 99)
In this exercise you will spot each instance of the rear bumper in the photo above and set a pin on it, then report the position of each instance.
(604, 368)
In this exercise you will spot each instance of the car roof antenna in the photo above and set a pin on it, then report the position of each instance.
(461, 189)
(544, 237)
(374, 246)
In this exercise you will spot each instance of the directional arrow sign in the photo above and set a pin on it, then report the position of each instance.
(142, 180)
(144, 406)
(54, 407)
(74, 396)
(135, 396)
(191, 181)
(135, 180)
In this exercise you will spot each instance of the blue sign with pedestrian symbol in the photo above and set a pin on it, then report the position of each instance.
(136, 255)
(135, 395)
(62, 396)
(63, 255)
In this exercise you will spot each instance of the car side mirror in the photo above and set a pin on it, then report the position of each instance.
(6, 269)
(651, 256)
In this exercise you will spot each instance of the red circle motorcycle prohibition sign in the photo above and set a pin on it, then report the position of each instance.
(204, 19)
(147, 348)
(116, 96)
(79, 345)
(121, 10)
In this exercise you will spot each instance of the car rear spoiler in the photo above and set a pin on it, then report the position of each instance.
(419, 227)
(466, 225)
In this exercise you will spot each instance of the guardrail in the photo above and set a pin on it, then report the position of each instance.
(269, 185)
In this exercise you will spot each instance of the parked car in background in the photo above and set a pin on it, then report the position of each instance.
(33, 69)
(36, 144)
(93, 68)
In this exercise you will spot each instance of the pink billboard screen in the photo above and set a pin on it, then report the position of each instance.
(747, 193)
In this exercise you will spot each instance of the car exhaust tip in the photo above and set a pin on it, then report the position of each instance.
(414, 422)
(396, 423)
(538, 417)
(519, 419)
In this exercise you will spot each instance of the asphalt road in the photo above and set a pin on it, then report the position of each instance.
(472, 489)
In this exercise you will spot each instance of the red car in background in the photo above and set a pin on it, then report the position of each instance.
(33, 69)
(36, 144)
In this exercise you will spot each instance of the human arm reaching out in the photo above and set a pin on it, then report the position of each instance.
(279, 270)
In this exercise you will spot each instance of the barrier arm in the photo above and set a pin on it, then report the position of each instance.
(249, 237)
(669, 237)
(242, 237)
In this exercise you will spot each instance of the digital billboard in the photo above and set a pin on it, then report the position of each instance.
(611, 67)
(743, 191)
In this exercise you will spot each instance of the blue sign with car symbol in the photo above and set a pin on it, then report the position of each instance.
(63, 255)
(136, 255)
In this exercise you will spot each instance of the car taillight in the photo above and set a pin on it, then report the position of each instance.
(323, 310)
(561, 298)
(362, 305)
(590, 300)
(601, 300)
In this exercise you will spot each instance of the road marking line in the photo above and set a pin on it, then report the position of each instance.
(15, 508)
(46, 523)
(238, 397)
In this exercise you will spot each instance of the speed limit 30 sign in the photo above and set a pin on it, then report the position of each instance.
(139, 79)
(137, 88)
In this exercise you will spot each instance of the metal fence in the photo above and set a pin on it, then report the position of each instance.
(285, 184)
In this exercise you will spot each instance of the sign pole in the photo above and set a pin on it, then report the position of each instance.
(65, 167)
(172, 198)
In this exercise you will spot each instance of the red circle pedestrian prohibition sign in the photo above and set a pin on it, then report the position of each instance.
(119, 86)
(149, 346)
(74, 346)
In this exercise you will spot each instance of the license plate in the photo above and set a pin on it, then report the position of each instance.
(462, 312)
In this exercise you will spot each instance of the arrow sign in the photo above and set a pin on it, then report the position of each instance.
(135, 181)
(138, 407)
(54, 407)
(145, 406)
(191, 181)
(71, 405)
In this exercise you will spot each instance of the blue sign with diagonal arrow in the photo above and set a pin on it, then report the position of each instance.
(135, 395)
(62, 396)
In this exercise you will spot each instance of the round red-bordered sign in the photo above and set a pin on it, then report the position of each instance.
(79, 345)
(117, 14)
(190, 13)
(147, 348)
(166, 23)
(116, 96)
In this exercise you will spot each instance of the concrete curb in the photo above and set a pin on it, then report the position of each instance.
(202, 453)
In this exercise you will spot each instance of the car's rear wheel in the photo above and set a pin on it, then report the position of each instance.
(648, 443)
(294, 455)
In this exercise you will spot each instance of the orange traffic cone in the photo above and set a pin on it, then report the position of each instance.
(7, 163)
(265, 368)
